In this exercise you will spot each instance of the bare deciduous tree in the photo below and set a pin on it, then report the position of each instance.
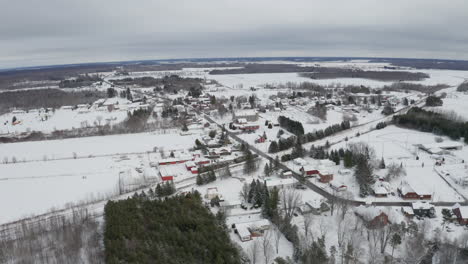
(244, 192)
(278, 235)
(290, 200)
(253, 251)
(307, 223)
(394, 171)
(266, 247)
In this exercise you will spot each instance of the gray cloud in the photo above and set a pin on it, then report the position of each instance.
(34, 32)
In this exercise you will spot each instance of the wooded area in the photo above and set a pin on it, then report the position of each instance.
(174, 230)
(54, 98)
(436, 123)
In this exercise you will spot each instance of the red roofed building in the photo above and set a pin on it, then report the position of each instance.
(309, 171)
(461, 213)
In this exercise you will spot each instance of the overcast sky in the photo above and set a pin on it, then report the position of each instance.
(45, 32)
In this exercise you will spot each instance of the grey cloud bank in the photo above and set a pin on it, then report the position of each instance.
(58, 32)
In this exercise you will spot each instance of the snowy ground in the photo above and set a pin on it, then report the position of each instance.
(65, 119)
(34, 188)
(397, 145)
(46, 183)
(96, 146)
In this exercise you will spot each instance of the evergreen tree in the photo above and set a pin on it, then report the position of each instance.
(129, 95)
(382, 164)
(159, 191)
(253, 185)
(199, 179)
(250, 164)
(277, 163)
(364, 175)
(395, 241)
(266, 170)
(348, 159)
(273, 147)
(298, 150)
(405, 101)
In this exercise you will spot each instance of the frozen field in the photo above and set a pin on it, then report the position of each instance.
(39, 185)
(35, 187)
(95, 146)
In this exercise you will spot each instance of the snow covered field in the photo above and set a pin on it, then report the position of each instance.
(35, 187)
(95, 146)
(397, 145)
(45, 183)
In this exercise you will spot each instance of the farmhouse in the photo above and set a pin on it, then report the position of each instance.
(423, 209)
(251, 229)
(407, 192)
(461, 212)
(249, 115)
(325, 176)
(381, 189)
(407, 211)
(280, 183)
(312, 206)
(373, 217)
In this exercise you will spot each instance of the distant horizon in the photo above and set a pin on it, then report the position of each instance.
(221, 59)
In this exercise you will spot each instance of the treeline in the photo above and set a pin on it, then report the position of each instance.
(463, 87)
(161, 190)
(335, 73)
(171, 231)
(405, 86)
(172, 83)
(46, 98)
(80, 81)
(284, 144)
(436, 123)
(137, 120)
(290, 125)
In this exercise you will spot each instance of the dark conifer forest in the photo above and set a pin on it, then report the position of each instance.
(171, 230)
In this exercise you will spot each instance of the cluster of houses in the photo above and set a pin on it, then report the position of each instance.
(191, 163)
(202, 103)
(321, 171)
(245, 120)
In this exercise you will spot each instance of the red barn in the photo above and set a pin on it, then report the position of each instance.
(202, 161)
(250, 127)
(309, 171)
(166, 174)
